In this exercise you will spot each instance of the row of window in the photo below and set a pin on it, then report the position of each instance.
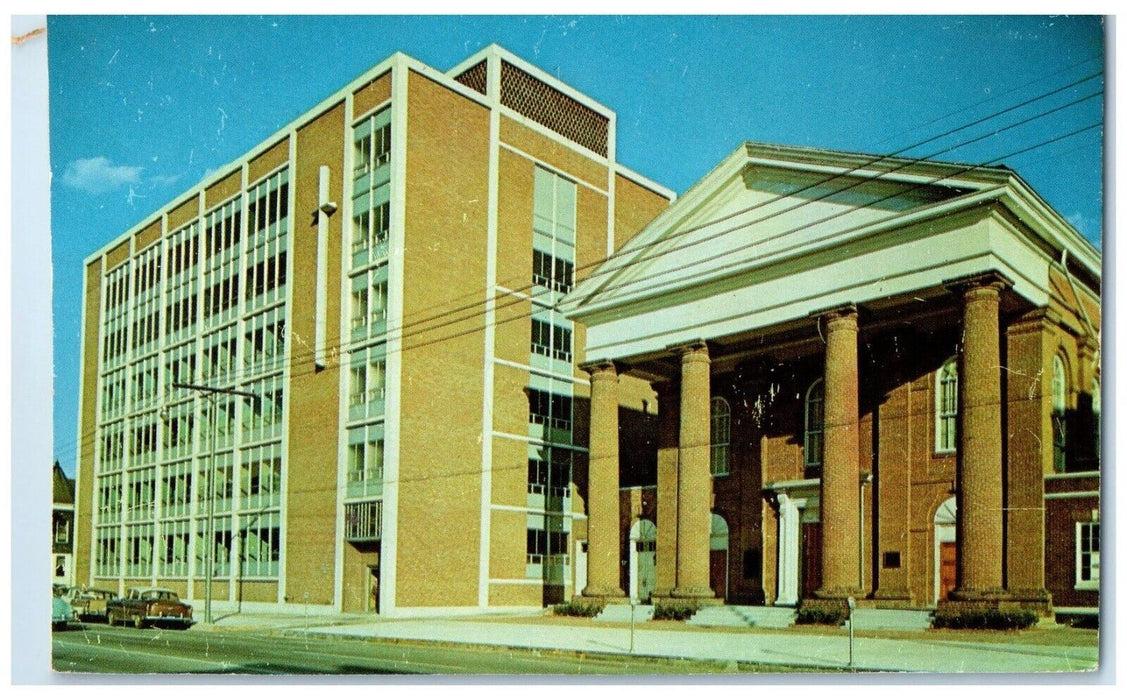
(134, 496)
(166, 554)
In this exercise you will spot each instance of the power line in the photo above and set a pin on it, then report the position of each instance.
(295, 358)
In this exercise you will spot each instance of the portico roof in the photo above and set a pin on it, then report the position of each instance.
(775, 233)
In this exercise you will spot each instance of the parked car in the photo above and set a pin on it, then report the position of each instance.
(149, 606)
(61, 613)
(89, 603)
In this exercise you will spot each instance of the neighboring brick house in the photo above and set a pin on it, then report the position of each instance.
(62, 527)
(1072, 536)
(873, 375)
(382, 273)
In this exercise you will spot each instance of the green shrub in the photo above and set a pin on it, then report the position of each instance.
(578, 608)
(821, 616)
(675, 611)
(985, 620)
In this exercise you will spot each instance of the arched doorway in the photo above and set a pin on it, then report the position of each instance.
(718, 556)
(643, 560)
(946, 550)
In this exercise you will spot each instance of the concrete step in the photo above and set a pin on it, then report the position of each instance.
(743, 616)
(876, 619)
(620, 612)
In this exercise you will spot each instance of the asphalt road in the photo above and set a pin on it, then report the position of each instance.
(100, 649)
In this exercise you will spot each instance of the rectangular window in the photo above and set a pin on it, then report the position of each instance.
(176, 490)
(549, 472)
(144, 441)
(554, 206)
(264, 343)
(371, 193)
(109, 503)
(262, 417)
(259, 544)
(365, 461)
(222, 552)
(174, 548)
(545, 408)
(369, 303)
(224, 481)
(260, 479)
(367, 378)
(362, 521)
(107, 562)
(544, 543)
(139, 550)
(179, 368)
(142, 495)
(1088, 555)
(178, 430)
(62, 529)
(111, 457)
(143, 383)
(552, 273)
(551, 340)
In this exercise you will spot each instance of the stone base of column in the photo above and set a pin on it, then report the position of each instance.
(841, 594)
(893, 597)
(603, 593)
(978, 595)
(673, 599)
(1038, 600)
(693, 593)
(995, 599)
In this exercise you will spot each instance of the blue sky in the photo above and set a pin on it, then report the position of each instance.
(142, 108)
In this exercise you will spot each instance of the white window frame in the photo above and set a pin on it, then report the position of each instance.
(808, 432)
(1092, 583)
(947, 407)
(1058, 413)
(720, 456)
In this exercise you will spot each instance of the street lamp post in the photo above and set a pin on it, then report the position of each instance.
(209, 563)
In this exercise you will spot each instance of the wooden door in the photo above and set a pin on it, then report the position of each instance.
(718, 572)
(948, 558)
(811, 559)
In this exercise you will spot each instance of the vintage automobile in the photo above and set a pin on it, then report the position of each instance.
(89, 603)
(149, 606)
(61, 613)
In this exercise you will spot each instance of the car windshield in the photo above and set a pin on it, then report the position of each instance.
(160, 595)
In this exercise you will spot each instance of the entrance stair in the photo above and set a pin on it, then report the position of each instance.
(743, 616)
(620, 612)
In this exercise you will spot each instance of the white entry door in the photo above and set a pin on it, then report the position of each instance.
(580, 566)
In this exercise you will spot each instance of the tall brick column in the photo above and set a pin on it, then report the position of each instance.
(1030, 347)
(840, 471)
(602, 485)
(694, 483)
(979, 460)
(668, 420)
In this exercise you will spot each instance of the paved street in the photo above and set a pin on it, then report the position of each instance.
(538, 644)
(120, 650)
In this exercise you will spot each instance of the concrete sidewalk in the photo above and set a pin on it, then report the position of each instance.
(794, 647)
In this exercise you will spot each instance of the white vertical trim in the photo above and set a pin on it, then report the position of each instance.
(342, 368)
(786, 592)
(394, 378)
(287, 367)
(493, 76)
(612, 126)
(320, 293)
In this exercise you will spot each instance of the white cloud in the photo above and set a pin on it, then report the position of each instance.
(98, 175)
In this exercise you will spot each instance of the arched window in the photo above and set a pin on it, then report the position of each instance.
(946, 406)
(1060, 392)
(721, 436)
(815, 422)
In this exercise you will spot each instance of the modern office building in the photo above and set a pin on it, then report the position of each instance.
(381, 276)
(877, 378)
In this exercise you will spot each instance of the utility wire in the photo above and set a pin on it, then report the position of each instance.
(403, 334)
